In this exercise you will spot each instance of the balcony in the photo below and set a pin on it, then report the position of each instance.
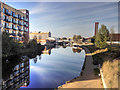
(20, 29)
(13, 34)
(14, 28)
(15, 16)
(25, 30)
(19, 34)
(8, 13)
(15, 22)
(20, 23)
(8, 20)
(8, 27)
(25, 19)
(21, 18)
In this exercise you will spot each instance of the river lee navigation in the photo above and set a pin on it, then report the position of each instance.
(51, 69)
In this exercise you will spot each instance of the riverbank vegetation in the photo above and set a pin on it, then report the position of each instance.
(12, 47)
(109, 63)
(107, 55)
(77, 39)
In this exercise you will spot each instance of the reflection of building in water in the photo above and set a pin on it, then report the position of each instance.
(19, 77)
(47, 51)
(76, 50)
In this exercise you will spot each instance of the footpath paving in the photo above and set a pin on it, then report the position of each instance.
(88, 79)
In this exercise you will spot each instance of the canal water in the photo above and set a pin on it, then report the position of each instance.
(54, 67)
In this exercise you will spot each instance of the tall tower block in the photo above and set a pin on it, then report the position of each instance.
(96, 27)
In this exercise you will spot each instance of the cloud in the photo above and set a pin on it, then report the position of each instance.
(80, 17)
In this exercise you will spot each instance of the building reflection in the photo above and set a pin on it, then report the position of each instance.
(47, 50)
(76, 50)
(18, 76)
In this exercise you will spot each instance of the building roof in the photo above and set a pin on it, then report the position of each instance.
(116, 37)
(39, 32)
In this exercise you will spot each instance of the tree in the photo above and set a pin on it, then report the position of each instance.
(102, 37)
(25, 39)
(76, 38)
(32, 45)
(9, 46)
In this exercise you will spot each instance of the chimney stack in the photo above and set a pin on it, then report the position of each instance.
(96, 27)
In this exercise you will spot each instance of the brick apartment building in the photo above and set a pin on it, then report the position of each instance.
(14, 21)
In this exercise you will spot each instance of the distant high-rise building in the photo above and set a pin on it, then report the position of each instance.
(96, 27)
(15, 22)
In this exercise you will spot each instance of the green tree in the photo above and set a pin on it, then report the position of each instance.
(32, 45)
(9, 46)
(102, 37)
(76, 38)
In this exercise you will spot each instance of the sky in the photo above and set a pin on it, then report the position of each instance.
(65, 19)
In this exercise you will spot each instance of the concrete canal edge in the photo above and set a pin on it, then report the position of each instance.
(102, 78)
(86, 51)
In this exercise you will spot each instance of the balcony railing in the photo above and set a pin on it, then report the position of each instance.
(13, 34)
(15, 16)
(8, 27)
(13, 22)
(25, 30)
(20, 23)
(8, 13)
(25, 19)
(20, 29)
(19, 34)
(14, 28)
(21, 18)
(8, 20)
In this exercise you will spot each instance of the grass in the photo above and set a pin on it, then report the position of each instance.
(110, 72)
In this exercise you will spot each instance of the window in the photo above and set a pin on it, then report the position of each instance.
(7, 11)
(19, 16)
(3, 17)
(3, 10)
(11, 26)
(7, 31)
(11, 19)
(3, 24)
(13, 13)
(23, 17)
(7, 24)
(6, 17)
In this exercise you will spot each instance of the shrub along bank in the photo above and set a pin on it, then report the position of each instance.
(11, 47)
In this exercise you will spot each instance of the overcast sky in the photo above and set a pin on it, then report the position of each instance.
(69, 18)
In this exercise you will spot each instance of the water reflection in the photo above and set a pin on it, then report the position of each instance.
(50, 69)
(15, 74)
(76, 50)
(47, 50)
